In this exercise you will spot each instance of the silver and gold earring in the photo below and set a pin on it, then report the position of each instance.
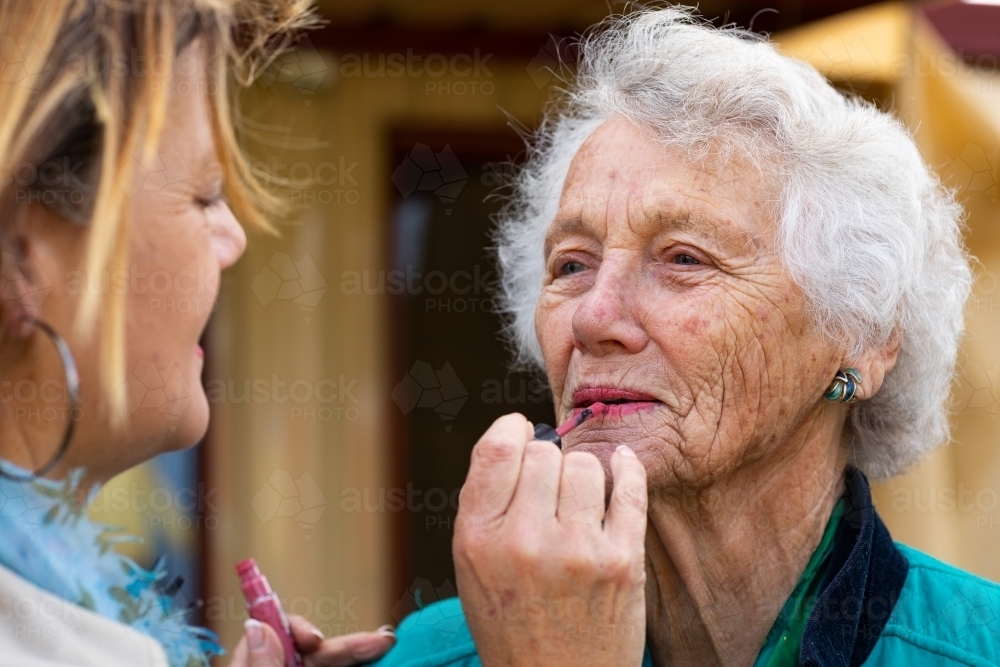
(844, 386)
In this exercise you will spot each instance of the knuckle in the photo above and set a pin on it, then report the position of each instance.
(462, 544)
(469, 542)
(524, 552)
(493, 450)
(579, 563)
(467, 497)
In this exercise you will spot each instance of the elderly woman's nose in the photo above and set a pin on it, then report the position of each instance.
(228, 238)
(604, 321)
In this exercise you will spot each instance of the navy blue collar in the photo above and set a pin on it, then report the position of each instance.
(865, 575)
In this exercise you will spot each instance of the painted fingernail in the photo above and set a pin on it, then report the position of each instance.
(626, 450)
(255, 634)
(387, 631)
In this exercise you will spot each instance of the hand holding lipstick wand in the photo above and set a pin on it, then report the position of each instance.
(536, 536)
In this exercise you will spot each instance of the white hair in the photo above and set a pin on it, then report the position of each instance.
(864, 228)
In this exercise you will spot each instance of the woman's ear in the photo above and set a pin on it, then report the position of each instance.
(875, 365)
(23, 283)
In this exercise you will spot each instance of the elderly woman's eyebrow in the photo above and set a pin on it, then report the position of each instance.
(724, 233)
(727, 233)
(562, 227)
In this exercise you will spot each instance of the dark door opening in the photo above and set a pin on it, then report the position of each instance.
(449, 365)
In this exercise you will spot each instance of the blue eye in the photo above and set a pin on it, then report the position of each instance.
(570, 268)
(685, 259)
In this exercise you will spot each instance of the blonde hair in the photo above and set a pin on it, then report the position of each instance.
(69, 87)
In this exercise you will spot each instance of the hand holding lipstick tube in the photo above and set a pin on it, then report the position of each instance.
(264, 606)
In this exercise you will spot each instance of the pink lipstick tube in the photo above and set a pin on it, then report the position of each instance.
(263, 605)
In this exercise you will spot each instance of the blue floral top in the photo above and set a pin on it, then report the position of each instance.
(48, 540)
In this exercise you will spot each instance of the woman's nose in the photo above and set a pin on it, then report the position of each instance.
(228, 238)
(604, 322)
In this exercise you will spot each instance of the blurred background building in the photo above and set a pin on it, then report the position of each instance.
(354, 361)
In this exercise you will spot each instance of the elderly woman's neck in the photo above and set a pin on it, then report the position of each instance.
(721, 562)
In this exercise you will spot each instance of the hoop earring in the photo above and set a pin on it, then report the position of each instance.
(72, 389)
(844, 386)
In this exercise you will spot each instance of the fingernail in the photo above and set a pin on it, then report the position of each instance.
(626, 450)
(387, 630)
(314, 631)
(255, 634)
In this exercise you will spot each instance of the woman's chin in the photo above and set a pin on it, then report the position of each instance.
(188, 426)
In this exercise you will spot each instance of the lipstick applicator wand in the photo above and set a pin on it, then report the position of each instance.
(549, 434)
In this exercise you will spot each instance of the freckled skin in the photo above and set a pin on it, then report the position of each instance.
(663, 278)
(663, 284)
(724, 343)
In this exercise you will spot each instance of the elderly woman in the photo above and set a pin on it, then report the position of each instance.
(117, 162)
(764, 283)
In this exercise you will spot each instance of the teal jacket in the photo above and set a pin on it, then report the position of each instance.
(884, 604)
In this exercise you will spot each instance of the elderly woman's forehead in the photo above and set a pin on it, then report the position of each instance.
(621, 174)
(620, 150)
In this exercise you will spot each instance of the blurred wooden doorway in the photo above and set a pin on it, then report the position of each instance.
(449, 364)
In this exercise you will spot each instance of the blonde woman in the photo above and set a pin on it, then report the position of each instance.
(117, 158)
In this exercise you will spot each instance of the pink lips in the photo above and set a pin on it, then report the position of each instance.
(620, 402)
(200, 352)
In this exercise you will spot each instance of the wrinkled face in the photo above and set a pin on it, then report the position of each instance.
(664, 296)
